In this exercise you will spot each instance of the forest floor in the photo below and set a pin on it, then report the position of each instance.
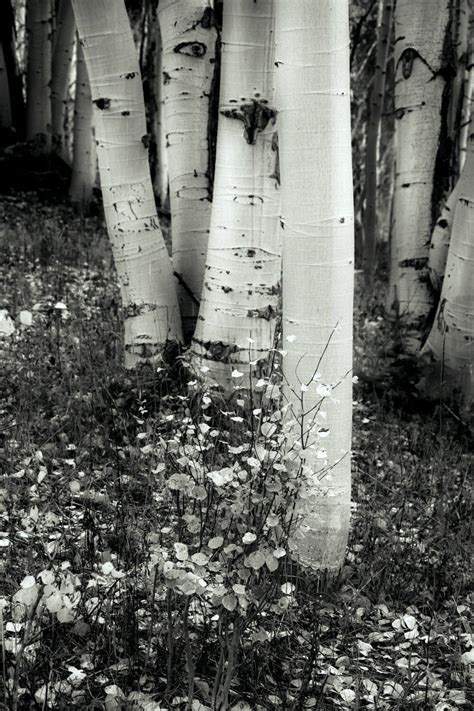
(80, 511)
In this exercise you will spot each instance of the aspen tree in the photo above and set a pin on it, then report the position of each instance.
(451, 339)
(143, 266)
(243, 265)
(38, 73)
(377, 92)
(84, 152)
(312, 56)
(5, 105)
(189, 37)
(153, 87)
(63, 49)
(14, 77)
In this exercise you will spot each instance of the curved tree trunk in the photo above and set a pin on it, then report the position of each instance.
(420, 180)
(451, 340)
(84, 153)
(243, 265)
(440, 241)
(15, 84)
(61, 66)
(189, 39)
(142, 262)
(373, 127)
(318, 223)
(38, 73)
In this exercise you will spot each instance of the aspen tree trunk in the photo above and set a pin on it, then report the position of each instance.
(142, 262)
(84, 152)
(61, 65)
(153, 87)
(15, 84)
(189, 39)
(5, 106)
(373, 128)
(243, 265)
(312, 56)
(420, 84)
(38, 73)
(451, 340)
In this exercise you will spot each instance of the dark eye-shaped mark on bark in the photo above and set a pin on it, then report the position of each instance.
(191, 49)
(407, 59)
(255, 117)
(102, 104)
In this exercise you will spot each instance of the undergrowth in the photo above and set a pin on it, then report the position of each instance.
(143, 566)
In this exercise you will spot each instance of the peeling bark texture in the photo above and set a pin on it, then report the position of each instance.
(61, 66)
(84, 152)
(143, 267)
(189, 58)
(14, 78)
(243, 267)
(373, 128)
(153, 90)
(312, 54)
(38, 74)
(451, 340)
(420, 83)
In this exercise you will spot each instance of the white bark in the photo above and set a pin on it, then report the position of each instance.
(142, 262)
(84, 153)
(38, 73)
(189, 39)
(155, 59)
(61, 65)
(318, 224)
(243, 266)
(451, 340)
(419, 86)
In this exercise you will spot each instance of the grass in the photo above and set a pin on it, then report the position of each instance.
(81, 495)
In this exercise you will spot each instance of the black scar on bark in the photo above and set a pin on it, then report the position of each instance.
(267, 312)
(218, 350)
(166, 78)
(102, 103)
(130, 75)
(407, 59)
(416, 262)
(442, 223)
(276, 173)
(146, 140)
(125, 113)
(255, 117)
(191, 49)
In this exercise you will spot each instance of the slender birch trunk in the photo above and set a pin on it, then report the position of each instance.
(243, 267)
(5, 105)
(420, 83)
(38, 73)
(373, 129)
(189, 37)
(14, 78)
(318, 224)
(153, 87)
(84, 153)
(61, 66)
(451, 340)
(143, 266)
